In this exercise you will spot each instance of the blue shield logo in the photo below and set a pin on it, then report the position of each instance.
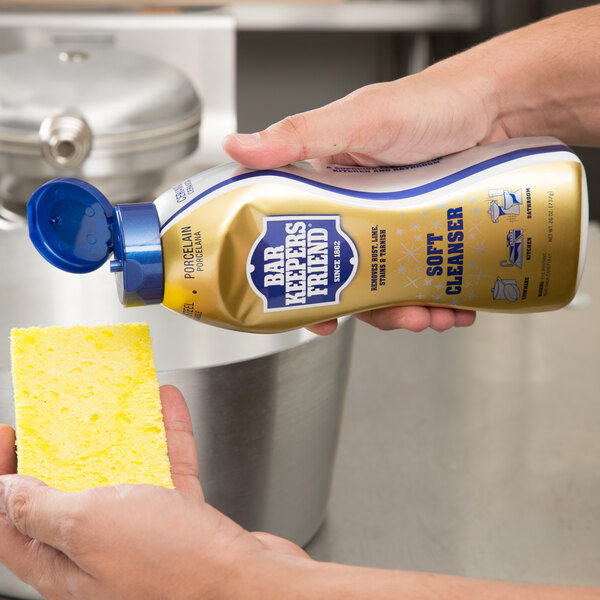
(301, 261)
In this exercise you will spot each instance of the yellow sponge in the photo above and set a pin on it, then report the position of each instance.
(87, 406)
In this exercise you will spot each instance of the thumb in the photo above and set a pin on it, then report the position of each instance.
(35, 510)
(317, 133)
(180, 441)
(29, 530)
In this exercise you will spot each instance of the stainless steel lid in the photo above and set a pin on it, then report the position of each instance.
(93, 112)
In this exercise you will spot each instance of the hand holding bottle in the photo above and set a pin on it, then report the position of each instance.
(381, 124)
(494, 91)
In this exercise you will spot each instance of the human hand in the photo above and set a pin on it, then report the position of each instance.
(130, 541)
(406, 121)
(400, 122)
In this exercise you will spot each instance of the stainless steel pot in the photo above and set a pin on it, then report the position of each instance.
(107, 115)
(266, 409)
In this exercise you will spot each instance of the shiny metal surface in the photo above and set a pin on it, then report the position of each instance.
(66, 140)
(266, 409)
(200, 44)
(266, 431)
(95, 112)
(123, 95)
(475, 452)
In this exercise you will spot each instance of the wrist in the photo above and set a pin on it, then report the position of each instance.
(476, 85)
(264, 575)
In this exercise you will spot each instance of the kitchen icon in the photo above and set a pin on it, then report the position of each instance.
(515, 242)
(504, 203)
(506, 289)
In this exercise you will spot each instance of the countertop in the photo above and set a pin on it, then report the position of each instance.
(475, 452)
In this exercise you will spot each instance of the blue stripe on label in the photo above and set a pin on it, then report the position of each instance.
(408, 193)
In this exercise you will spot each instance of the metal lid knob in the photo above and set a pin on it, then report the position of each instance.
(66, 140)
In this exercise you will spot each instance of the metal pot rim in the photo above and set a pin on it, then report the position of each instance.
(104, 106)
(14, 141)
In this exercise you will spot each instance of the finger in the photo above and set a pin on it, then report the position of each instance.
(418, 318)
(314, 134)
(37, 564)
(34, 509)
(180, 442)
(24, 524)
(48, 515)
(413, 318)
(8, 458)
(47, 521)
(325, 328)
(279, 544)
(465, 318)
(441, 319)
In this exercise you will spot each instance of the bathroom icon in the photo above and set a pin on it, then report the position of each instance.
(515, 242)
(506, 289)
(504, 203)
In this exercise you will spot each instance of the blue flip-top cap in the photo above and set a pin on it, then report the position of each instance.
(75, 228)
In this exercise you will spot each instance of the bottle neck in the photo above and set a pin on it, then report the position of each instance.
(137, 260)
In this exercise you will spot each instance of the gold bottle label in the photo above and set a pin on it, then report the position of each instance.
(268, 256)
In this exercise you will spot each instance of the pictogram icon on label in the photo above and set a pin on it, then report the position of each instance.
(506, 289)
(504, 203)
(515, 242)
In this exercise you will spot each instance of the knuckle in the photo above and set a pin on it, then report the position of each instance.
(293, 125)
(363, 93)
(19, 508)
(293, 130)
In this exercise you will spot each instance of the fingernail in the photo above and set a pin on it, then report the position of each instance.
(247, 139)
(2, 498)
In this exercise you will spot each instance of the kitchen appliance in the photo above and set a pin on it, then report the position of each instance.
(92, 111)
(201, 44)
(266, 409)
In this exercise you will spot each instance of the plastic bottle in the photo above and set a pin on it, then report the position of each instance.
(500, 227)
